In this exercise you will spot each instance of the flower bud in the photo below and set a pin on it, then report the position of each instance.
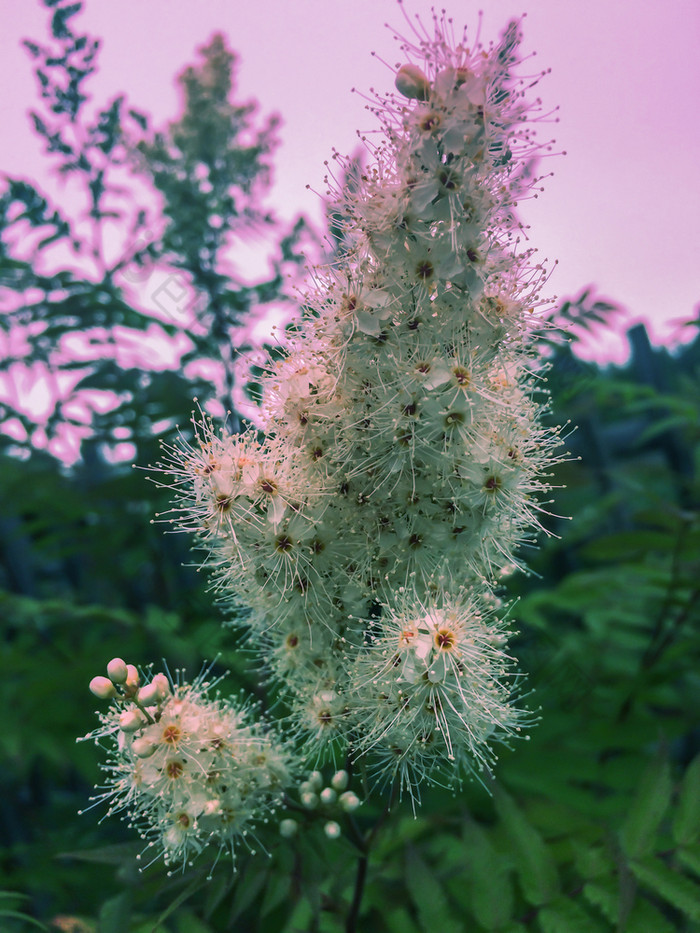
(332, 829)
(315, 781)
(103, 688)
(349, 801)
(133, 678)
(117, 671)
(143, 747)
(131, 720)
(309, 800)
(412, 82)
(288, 828)
(328, 795)
(340, 780)
(162, 685)
(149, 694)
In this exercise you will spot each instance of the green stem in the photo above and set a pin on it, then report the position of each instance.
(360, 878)
(365, 846)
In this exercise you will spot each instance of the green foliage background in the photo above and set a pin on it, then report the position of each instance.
(591, 824)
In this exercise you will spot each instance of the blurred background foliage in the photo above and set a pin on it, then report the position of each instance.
(592, 824)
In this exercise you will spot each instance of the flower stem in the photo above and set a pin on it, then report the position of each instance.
(360, 877)
(363, 863)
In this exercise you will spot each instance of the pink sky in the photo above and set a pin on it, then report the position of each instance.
(623, 208)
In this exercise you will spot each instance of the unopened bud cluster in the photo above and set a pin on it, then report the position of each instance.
(313, 794)
(333, 799)
(186, 768)
(122, 680)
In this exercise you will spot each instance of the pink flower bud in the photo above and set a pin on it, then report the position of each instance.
(162, 685)
(315, 781)
(148, 694)
(117, 671)
(349, 801)
(103, 688)
(340, 780)
(309, 800)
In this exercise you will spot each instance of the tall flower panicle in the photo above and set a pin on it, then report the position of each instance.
(186, 768)
(404, 457)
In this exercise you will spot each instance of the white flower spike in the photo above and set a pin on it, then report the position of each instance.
(404, 447)
(404, 456)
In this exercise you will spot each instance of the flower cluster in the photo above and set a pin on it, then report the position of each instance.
(432, 686)
(404, 456)
(187, 769)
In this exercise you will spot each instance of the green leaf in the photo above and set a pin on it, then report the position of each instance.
(679, 891)
(14, 895)
(647, 809)
(487, 879)
(217, 891)
(248, 887)
(115, 913)
(613, 895)
(60, 18)
(592, 861)
(605, 895)
(686, 820)
(187, 922)
(661, 425)
(11, 900)
(183, 896)
(25, 918)
(277, 891)
(106, 855)
(626, 545)
(533, 863)
(644, 917)
(140, 118)
(565, 915)
(690, 857)
(428, 896)
(398, 920)
(301, 918)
